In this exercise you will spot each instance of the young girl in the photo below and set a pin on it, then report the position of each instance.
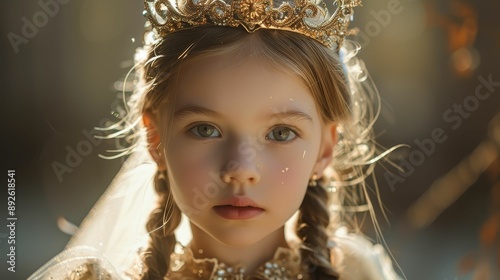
(246, 115)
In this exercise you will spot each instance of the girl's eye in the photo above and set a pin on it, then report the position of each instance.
(205, 131)
(281, 134)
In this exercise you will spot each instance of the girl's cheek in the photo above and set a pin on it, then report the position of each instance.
(191, 168)
(288, 169)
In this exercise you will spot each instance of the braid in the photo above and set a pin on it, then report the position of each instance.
(161, 225)
(311, 229)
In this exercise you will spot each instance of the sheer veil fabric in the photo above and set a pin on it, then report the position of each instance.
(114, 229)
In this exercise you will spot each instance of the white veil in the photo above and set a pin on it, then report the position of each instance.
(115, 227)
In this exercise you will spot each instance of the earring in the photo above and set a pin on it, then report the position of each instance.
(313, 181)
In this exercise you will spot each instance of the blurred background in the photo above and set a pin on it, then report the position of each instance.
(436, 65)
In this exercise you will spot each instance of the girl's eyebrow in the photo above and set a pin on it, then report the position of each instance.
(292, 115)
(188, 110)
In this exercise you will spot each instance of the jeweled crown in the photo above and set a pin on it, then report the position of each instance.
(327, 23)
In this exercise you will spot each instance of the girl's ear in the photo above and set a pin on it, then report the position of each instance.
(154, 140)
(325, 155)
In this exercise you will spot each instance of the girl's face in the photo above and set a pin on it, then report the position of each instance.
(245, 135)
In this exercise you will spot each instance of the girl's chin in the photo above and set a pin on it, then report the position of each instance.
(239, 238)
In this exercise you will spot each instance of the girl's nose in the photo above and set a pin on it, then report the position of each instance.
(240, 168)
(242, 171)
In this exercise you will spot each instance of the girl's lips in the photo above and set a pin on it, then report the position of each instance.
(239, 201)
(231, 212)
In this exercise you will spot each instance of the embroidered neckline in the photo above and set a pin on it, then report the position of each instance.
(284, 265)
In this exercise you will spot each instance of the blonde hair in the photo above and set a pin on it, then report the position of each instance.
(158, 64)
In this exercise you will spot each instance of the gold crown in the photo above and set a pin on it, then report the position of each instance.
(327, 24)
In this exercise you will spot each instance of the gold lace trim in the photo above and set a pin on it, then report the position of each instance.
(285, 265)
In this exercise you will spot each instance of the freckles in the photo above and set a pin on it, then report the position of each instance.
(297, 169)
(287, 175)
(291, 176)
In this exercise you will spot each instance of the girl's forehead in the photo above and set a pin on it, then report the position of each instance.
(241, 85)
(210, 64)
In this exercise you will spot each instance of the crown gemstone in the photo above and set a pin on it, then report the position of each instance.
(219, 11)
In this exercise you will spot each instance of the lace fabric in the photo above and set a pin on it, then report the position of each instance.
(77, 263)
